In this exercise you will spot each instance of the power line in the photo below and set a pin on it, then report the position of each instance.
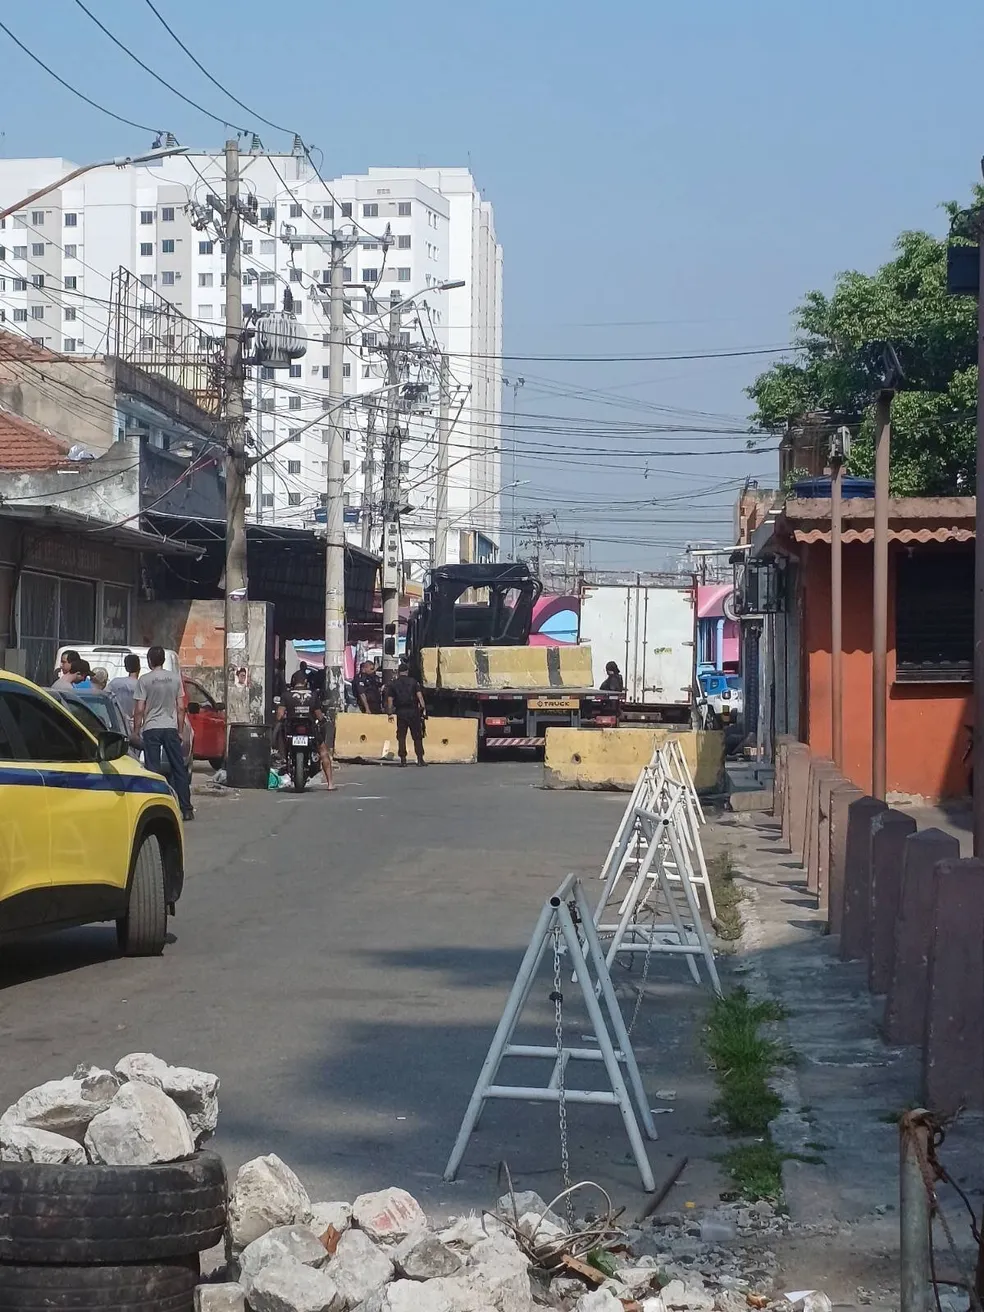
(201, 67)
(223, 122)
(74, 90)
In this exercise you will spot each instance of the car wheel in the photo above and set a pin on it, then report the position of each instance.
(81, 1215)
(141, 1287)
(143, 930)
(216, 762)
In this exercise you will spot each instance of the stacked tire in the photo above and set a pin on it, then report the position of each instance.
(114, 1238)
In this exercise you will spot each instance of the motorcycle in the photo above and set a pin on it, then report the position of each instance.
(301, 747)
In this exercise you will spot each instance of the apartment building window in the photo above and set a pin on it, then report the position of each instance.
(346, 466)
(37, 279)
(37, 311)
(248, 498)
(167, 214)
(297, 211)
(167, 278)
(267, 279)
(370, 211)
(268, 373)
(167, 246)
(329, 211)
(20, 252)
(71, 220)
(403, 241)
(370, 245)
(267, 213)
(20, 316)
(347, 274)
(403, 273)
(346, 370)
(268, 246)
(294, 403)
(294, 435)
(71, 283)
(325, 435)
(147, 279)
(293, 466)
(247, 248)
(266, 500)
(37, 218)
(295, 371)
(70, 313)
(146, 248)
(369, 339)
(37, 248)
(205, 311)
(366, 371)
(20, 220)
(346, 209)
(205, 279)
(69, 345)
(293, 498)
(404, 339)
(296, 275)
(146, 216)
(267, 404)
(370, 275)
(71, 252)
(204, 248)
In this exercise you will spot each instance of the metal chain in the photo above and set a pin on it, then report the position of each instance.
(645, 976)
(558, 1001)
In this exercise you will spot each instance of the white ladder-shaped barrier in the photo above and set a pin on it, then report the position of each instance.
(566, 919)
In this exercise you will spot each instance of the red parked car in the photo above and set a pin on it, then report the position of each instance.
(207, 718)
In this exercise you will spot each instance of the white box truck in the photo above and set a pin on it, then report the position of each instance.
(646, 623)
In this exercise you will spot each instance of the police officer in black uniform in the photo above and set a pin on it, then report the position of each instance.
(405, 699)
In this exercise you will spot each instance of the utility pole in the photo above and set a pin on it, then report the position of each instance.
(335, 513)
(443, 434)
(977, 716)
(838, 453)
(369, 480)
(392, 547)
(879, 637)
(237, 688)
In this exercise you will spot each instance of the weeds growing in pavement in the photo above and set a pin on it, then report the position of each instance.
(727, 896)
(756, 1170)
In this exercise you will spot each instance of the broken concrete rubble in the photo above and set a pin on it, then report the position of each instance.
(140, 1126)
(195, 1092)
(428, 1259)
(359, 1268)
(22, 1143)
(389, 1215)
(294, 1241)
(266, 1193)
(322, 1215)
(63, 1106)
(287, 1285)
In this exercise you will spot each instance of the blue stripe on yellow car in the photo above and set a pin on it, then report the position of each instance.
(106, 783)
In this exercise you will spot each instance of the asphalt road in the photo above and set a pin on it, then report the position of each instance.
(341, 960)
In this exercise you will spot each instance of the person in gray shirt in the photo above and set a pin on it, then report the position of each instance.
(124, 687)
(158, 716)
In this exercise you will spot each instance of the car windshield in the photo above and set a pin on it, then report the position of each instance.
(88, 715)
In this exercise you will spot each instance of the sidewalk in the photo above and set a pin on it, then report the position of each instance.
(843, 1094)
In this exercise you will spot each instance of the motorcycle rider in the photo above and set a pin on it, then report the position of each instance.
(301, 699)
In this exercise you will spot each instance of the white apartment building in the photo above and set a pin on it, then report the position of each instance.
(59, 255)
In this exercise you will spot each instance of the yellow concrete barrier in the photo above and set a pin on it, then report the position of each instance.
(449, 741)
(613, 758)
(428, 661)
(509, 667)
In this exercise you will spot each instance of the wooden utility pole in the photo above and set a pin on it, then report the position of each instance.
(392, 544)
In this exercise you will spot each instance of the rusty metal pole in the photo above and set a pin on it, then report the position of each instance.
(977, 715)
(879, 628)
(914, 1213)
(836, 617)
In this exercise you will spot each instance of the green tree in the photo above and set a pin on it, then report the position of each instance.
(906, 303)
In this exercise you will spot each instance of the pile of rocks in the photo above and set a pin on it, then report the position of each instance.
(140, 1113)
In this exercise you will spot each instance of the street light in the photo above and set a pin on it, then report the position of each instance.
(120, 162)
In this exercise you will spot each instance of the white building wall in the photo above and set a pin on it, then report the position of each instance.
(144, 218)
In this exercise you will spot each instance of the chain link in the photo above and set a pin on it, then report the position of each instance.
(640, 992)
(558, 1001)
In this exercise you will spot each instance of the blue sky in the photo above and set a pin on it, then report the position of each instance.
(666, 179)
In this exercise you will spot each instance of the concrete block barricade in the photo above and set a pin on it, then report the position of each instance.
(449, 740)
(512, 667)
(905, 1006)
(614, 758)
(819, 767)
(831, 897)
(888, 835)
(854, 928)
(818, 875)
(797, 775)
(953, 1052)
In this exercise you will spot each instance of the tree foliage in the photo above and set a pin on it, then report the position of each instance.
(904, 302)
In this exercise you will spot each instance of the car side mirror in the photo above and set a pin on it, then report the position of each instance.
(112, 746)
(194, 708)
(220, 706)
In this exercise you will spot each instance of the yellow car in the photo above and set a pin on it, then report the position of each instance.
(86, 833)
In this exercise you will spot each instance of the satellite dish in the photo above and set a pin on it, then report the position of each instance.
(728, 606)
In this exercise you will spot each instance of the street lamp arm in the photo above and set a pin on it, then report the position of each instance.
(120, 162)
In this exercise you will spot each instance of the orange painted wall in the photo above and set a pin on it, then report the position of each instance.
(926, 738)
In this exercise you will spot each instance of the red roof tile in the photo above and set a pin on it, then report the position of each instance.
(25, 446)
(15, 347)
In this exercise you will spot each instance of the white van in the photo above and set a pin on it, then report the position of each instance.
(111, 659)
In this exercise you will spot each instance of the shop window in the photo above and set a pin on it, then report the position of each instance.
(934, 615)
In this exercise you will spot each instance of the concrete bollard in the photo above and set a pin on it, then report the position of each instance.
(832, 897)
(905, 1006)
(797, 777)
(779, 803)
(888, 834)
(829, 786)
(820, 768)
(953, 1052)
(855, 929)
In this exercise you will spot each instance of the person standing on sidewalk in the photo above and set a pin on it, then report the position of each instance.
(405, 698)
(124, 686)
(158, 717)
